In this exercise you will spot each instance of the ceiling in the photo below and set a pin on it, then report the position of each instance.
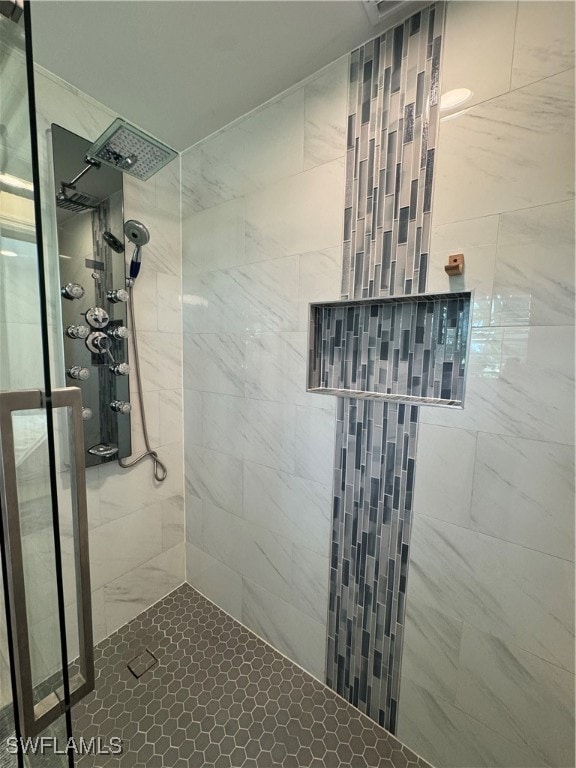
(183, 69)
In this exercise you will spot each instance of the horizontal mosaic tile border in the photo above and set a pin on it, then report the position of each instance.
(392, 126)
(411, 348)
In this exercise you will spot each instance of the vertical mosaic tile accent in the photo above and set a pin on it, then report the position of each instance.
(392, 126)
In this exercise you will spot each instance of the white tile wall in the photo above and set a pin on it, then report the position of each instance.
(262, 230)
(136, 525)
(487, 677)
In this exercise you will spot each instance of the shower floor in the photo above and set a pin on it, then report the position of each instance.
(218, 695)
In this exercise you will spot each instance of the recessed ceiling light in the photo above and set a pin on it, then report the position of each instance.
(454, 98)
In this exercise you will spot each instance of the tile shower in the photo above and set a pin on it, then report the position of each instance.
(418, 559)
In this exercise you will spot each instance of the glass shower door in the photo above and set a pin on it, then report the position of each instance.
(46, 653)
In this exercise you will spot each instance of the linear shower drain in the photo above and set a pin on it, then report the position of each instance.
(142, 663)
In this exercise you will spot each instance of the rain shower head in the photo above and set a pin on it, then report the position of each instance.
(129, 149)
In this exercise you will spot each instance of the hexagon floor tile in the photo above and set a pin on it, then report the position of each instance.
(220, 696)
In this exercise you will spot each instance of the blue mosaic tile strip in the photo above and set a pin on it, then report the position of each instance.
(410, 349)
(392, 126)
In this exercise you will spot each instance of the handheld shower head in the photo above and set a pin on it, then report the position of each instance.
(138, 234)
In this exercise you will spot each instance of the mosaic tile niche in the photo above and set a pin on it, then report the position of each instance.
(402, 349)
(392, 126)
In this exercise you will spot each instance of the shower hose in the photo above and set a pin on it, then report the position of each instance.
(160, 471)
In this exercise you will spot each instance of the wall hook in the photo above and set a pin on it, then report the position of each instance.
(455, 265)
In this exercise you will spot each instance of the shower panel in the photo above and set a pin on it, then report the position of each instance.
(93, 289)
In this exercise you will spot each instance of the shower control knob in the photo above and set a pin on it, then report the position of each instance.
(98, 342)
(77, 372)
(86, 414)
(117, 295)
(120, 406)
(120, 369)
(72, 291)
(120, 332)
(96, 317)
(77, 331)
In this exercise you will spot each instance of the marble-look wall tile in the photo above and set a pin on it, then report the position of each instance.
(503, 565)
(256, 430)
(215, 362)
(193, 434)
(431, 650)
(250, 550)
(445, 473)
(310, 582)
(544, 42)
(215, 580)
(314, 440)
(214, 238)
(262, 221)
(169, 303)
(120, 545)
(450, 738)
(477, 239)
(194, 519)
(534, 277)
(215, 477)
(145, 299)
(510, 152)
(524, 493)
(160, 360)
(325, 114)
(210, 303)
(298, 214)
(276, 368)
(267, 295)
(172, 510)
(517, 371)
(136, 590)
(470, 29)
(289, 630)
(292, 507)
(520, 595)
(518, 695)
(319, 279)
(255, 152)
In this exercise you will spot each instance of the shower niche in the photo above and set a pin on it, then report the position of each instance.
(90, 221)
(408, 349)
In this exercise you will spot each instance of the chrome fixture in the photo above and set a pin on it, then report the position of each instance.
(118, 294)
(77, 331)
(96, 317)
(120, 369)
(72, 291)
(99, 343)
(78, 372)
(129, 149)
(120, 332)
(86, 413)
(103, 450)
(120, 406)
(67, 197)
